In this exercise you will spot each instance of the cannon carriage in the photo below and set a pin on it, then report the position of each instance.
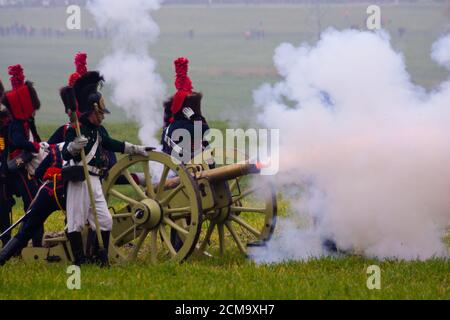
(174, 210)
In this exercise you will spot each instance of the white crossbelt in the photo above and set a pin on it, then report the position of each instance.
(172, 143)
(89, 157)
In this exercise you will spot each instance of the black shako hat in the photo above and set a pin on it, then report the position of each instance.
(86, 90)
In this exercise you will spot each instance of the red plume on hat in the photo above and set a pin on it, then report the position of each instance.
(183, 84)
(81, 67)
(17, 77)
(81, 63)
(22, 100)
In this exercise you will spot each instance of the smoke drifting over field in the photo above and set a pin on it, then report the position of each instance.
(441, 52)
(369, 148)
(129, 69)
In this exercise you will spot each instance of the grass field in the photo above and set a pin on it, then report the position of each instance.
(226, 67)
(231, 277)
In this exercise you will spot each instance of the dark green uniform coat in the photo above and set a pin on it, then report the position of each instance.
(100, 160)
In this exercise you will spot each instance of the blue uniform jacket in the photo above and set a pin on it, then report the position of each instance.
(19, 137)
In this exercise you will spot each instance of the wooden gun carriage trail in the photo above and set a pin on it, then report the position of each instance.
(182, 210)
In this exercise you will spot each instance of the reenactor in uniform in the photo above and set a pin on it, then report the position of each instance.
(93, 139)
(183, 111)
(6, 199)
(59, 136)
(50, 198)
(24, 145)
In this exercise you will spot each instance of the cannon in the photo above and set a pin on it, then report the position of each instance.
(175, 210)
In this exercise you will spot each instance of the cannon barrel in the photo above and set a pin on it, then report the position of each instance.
(229, 172)
(224, 173)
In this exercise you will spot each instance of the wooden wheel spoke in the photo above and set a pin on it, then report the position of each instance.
(172, 211)
(166, 240)
(175, 226)
(245, 225)
(162, 181)
(178, 216)
(236, 237)
(154, 246)
(208, 235)
(122, 215)
(139, 243)
(125, 233)
(148, 180)
(171, 195)
(221, 230)
(233, 185)
(134, 185)
(248, 209)
(245, 194)
(123, 197)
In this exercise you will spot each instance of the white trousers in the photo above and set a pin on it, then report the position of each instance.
(79, 211)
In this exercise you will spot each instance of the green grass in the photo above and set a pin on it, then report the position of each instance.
(231, 277)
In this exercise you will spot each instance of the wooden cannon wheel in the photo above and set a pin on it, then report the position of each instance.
(249, 221)
(143, 216)
(247, 218)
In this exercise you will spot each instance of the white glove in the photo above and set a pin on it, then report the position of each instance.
(133, 149)
(60, 146)
(37, 159)
(44, 146)
(188, 113)
(78, 144)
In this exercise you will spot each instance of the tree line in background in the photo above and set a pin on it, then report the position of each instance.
(47, 3)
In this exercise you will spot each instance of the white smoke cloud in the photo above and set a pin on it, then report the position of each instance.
(129, 69)
(370, 149)
(440, 52)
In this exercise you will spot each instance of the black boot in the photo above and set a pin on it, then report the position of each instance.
(100, 257)
(91, 246)
(103, 254)
(330, 246)
(38, 237)
(13, 247)
(175, 240)
(6, 239)
(76, 243)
